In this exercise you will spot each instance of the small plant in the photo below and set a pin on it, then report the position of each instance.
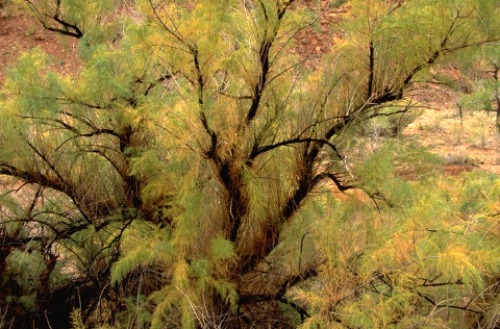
(486, 91)
(76, 319)
(433, 125)
(30, 31)
(460, 159)
(391, 121)
(480, 129)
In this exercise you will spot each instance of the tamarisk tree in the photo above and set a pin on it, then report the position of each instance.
(186, 175)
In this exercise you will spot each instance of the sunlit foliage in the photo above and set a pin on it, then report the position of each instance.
(197, 172)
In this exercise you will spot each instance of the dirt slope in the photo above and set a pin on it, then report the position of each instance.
(19, 33)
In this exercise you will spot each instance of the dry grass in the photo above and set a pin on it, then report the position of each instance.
(471, 141)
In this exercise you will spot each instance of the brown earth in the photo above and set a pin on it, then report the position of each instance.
(464, 144)
(20, 33)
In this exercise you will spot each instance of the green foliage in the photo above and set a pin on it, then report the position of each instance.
(25, 268)
(221, 249)
(485, 94)
(391, 121)
(414, 259)
(199, 171)
(76, 320)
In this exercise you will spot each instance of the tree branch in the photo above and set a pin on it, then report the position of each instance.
(66, 28)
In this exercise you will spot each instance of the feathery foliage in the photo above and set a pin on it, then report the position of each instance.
(198, 172)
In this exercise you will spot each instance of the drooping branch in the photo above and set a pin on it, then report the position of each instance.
(64, 186)
(335, 179)
(32, 177)
(95, 131)
(45, 181)
(263, 149)
(166, 77)
(445, 48)
(442, 305)
(62, 27)
(68, 29)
